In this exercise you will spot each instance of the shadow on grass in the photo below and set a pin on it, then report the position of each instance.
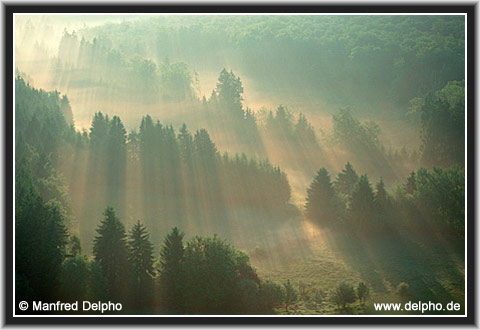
(431, 265)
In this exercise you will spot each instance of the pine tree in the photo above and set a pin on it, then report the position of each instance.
(382, 200)
(322, 201)
(185, 142)
(362, 204)
(98, 284)
(346, 180)
(343, 295)
(110, 251)
(362, 292)
(171, 258)
(116, 158)
(304, 131)
(205, 149)
(99, 131)
(140, 257)
(284, 121)
(74, 278)
(40, 240)
(229, 90)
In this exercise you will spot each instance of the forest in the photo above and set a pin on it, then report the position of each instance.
(244, 164)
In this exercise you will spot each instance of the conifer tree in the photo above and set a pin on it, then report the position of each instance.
(99, 131)
(110, 251)
(382, 200)
(140, 257)
(304, 131)
(346, 180)
(205, 149)
(98, 284)
(40, 241)
(185, 142)
(74, 278)
(171, 258)
(116, 158)
(229, 90)
(322, 202)
(362, 205)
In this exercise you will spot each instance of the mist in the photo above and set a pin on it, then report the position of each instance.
(308, 142)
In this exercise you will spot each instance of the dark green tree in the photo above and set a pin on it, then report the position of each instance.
(98, 284)
(140, 258)
(99, 131)
(116, 159)
(304, 132)
(270, 295)
(322, 202)
(74, 277)
(383, 204)
(362, 204)
(440, 196)
(169, 279)
(110, 251)
(229, 92)
(40, 241)
(185, 142)
(205, 150)
(443, 125)
(346, 180)
(214, 273)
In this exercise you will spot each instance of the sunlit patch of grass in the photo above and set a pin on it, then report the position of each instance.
(323, 269)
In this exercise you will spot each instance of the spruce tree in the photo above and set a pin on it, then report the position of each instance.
(98, 284)
(99, 131)
(304, 132)
(140, 258)
(40, 240)
(362, 205)
(346, 180)
(322, 202)
(382, 200)
(185, 142)
(110, 251)
(171, 258)
(74, 278)
(229, 90)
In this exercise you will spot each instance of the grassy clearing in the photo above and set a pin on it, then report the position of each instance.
(433, 274)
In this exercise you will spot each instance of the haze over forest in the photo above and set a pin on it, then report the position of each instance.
(329, 149)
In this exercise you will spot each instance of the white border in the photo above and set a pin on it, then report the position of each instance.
(243, 14)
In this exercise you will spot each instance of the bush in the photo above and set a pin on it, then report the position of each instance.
(247, 297)
(343, 295)
(362, 292)
(270, 295)
(291, 295)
